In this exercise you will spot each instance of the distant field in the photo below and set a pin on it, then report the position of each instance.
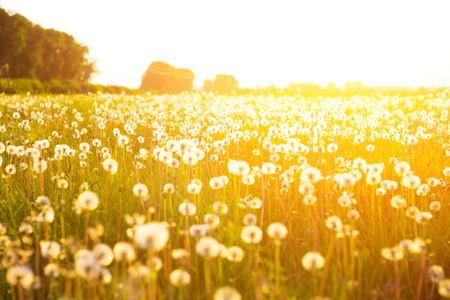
(199, 196)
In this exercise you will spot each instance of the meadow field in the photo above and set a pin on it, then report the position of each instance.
(203, 196)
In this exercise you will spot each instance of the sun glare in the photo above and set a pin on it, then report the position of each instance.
(258, 42)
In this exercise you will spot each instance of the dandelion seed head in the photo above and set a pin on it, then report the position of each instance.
(313, 261)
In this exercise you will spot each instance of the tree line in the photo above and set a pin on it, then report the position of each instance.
(161, 77)
(29, 51)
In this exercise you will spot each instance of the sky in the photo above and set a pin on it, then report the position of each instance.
(261, 43)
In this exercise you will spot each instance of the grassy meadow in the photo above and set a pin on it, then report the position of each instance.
(202, 196)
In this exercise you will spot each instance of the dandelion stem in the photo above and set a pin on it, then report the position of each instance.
(327, 265)
(277, 264)
(421, 275)
(86, 228)
(397, 281)
(106, 202)
(208, 278)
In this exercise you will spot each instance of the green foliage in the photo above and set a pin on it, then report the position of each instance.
(55, 86)
(21, 86)
(45, 54)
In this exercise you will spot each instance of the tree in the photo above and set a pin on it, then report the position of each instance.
(226, 83)
(208, 85)
(164, 78)
(353, 87)
(332, 89)
(33, 52)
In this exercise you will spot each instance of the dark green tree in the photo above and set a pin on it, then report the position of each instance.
(45, 54)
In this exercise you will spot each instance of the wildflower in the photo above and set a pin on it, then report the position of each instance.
(10, 169)
(251, 234)
(393, 160)
(88, 201)
(446, 171)
(412, 182)
(310, 175)
(190, 159)
(398, 202)
(198, 230)
(152, 236)
(359, 163)
(42, 201)
(11, 150)
(193, 188)
(402, 168)
(86, 266)
(96, 143)
(179, 278)
(39, 166)
(444, 288)
(408, 246)
(268, 168)
(155, 263)
(334, 223)
(332, 148)
(84, 147)
(435, 206)
(309, 199)
(373, 178)
(51, 270)
(227, 293)
(124, 251)
(180, 254)
(347, 180)
(436, 273)
(353, 214)
(235, 254)
(359, 139)
(380, 192)
(50, 249)
(20, 275)
(313, 261)
(110, 165)
(250, 219)
(277, 231)
(216, 183)
(212, 220)
(105, 275)
(345, 200)
(62, 184)
(392, 254)
(423, 217)
(187, 209)
(140, 190)
(306, 188)
(254, 203)
(391, 185)
(412, 212)
(207, 247)
(238, 168)
(248, 179)
(103, 254)
(169, 188)
(221, 208)
(433, 182)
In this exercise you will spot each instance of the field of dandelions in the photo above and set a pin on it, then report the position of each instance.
(199, 196)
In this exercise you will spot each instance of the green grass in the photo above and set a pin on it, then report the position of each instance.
(354, 267)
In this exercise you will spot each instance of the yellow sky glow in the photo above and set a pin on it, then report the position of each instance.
(402, 43)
